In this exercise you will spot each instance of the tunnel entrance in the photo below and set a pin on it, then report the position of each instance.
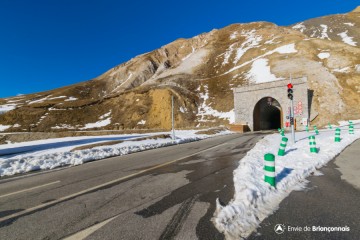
(267, 114)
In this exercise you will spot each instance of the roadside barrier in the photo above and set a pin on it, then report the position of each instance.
(282, 146)
(269, 169)
(312, 144)
(337, 135)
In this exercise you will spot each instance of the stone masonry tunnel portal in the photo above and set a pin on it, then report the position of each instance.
(265, 106)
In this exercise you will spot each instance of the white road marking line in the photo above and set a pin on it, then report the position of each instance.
(101, 185)
(88, 231)
(29, 189)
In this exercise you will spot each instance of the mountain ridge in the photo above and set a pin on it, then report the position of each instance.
(201, 72)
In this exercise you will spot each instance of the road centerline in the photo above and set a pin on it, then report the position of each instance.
(29, 189)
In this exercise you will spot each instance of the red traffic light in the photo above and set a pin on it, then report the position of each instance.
(290, 86)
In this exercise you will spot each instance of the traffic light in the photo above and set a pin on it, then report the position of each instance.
(290, 91)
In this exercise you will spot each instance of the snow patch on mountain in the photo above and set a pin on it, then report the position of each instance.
(63, 126)
(186, 66)
(251, 41)
(323, 55)
(272, 41)
(59, 97)
(346, 39)
(105, 115)
(342, 70)
(260, 72)
(324, 34)
(300, 27)
(4, 127)
(7, 107)
(205, 111)
(71, 99)
(98, 124)
(104, 121)
(142, 122)
(286, 49)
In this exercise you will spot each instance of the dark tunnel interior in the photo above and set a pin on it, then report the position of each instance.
(267, 114)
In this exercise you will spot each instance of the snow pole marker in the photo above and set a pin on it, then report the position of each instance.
(351, 129)
(316, 130)
(281, 131)
(283, 143)
(337, 135)
(269, 169)
(312, 144)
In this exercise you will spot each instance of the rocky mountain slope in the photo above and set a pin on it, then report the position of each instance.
(201, 72)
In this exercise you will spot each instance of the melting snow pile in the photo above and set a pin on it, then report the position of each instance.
(254, 199)
(51, 153)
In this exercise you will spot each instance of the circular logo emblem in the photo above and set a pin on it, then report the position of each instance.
(279, 228)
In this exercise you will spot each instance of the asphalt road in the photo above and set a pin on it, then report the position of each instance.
(166, 193)
(330, 200)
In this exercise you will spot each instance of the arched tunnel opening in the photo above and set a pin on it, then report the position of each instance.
(267, 114)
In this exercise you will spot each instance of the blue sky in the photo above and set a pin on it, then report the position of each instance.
(46, 44)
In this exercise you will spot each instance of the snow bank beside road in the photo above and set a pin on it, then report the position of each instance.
(254, 199)
(61, 156)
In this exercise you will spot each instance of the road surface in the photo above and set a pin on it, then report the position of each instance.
(166, 193)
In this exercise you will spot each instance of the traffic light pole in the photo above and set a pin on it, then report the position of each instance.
(293, 118)
(172, 118)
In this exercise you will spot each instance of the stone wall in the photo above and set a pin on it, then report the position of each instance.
(245, 99)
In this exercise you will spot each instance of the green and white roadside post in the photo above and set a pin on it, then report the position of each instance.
(312, 144)
(283, 143)
(330, 127)
(269, 169)
(337, 135)
(307, 128)
(281, 131)
(351, 127)
(316, 130)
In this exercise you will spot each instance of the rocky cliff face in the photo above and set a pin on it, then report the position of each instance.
(201, 73)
